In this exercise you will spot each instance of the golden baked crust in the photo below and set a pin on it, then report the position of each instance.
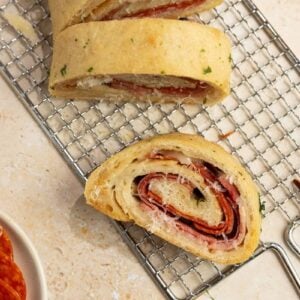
(109, 189)
(65, 13)
(156, 47)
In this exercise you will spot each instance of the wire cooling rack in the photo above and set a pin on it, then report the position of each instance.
(263, 112)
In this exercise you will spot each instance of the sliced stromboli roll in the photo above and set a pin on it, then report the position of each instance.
(184, 189)
(65, 13)
(155, 60)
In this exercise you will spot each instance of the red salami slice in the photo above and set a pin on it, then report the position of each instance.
(5, 244)
(7, 292)
(154, 11)
(11, 275)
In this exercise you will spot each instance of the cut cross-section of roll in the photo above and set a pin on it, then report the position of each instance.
(65, 13)
(155, 60)
(186, 190)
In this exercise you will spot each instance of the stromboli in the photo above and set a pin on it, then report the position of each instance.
(184, 189)
(146, 59)
(65, 13)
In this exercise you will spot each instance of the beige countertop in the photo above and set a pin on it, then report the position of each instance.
(84, 257)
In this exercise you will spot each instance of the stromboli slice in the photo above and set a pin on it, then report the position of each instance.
(65, 13)
(155, 60)
(184, 189)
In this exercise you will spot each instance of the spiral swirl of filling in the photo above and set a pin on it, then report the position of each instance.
(228, 233)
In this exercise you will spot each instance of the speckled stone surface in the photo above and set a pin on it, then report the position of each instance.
(84, 257)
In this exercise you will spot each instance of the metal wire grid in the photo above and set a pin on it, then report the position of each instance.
(263, 111)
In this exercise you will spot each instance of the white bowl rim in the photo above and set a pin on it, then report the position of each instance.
(33, 253)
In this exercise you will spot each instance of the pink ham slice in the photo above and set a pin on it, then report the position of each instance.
(198, 90)
(154, 11)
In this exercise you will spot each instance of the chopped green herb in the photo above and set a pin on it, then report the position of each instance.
(162, 72)
(230, 58)
(202, 50)
(198, 201)
(63, 70)
(90, 69)
(86, 43)
(198, 196)
(262, 206)
(207, 70)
